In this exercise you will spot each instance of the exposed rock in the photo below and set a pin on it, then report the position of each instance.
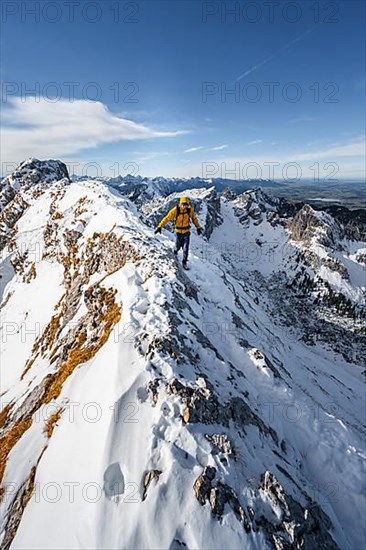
(228, 194)
(177, 544)
(361, 258)
(152, 389)
(223, 494)
(213, 216)
(257, 206)
(9, 217)
(218, 496)
(17, 508)
(149, 476)
(309, 223)
(202, 485)
(33, 171)
(202, 405)
(353, 221)
(297, 527)
(222, 444)
(335, 265)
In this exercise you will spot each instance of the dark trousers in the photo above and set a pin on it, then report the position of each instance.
(182, 241)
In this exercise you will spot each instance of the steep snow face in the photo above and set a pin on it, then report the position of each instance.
(148, 407)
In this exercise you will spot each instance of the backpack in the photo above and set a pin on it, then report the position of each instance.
(178, 211)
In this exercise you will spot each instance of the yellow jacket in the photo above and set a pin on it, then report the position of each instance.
(182, 220)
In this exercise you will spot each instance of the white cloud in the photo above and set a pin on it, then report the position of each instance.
(255, 141)
(219, 148)
(353, 149)
(40, 128)
(193, 149)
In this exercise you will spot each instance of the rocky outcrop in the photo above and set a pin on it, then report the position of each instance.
(222, 444)
(298, 527)
(308, 224)
(218, 496)
(17, 508)
(353, 221)
(201, 405)
(255, 206)
(9, 217)
(284, 521)
(33, 171)
(213, 216)
(150, 475)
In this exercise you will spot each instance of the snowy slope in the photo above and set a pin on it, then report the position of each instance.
(148, 407)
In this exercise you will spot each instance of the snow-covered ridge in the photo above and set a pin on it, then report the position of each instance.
(217, 403)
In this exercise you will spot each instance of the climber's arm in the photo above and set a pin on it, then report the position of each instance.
(169, 217)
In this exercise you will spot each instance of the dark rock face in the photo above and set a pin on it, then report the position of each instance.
(213, 217)
(298, 527)
(201, 405)
(256, 205)
(218, 496)
(202, 485)
(228, 194)
(222, 443)
(353, 221)
(9, 217)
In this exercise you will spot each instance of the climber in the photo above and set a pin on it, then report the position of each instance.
(181, 215)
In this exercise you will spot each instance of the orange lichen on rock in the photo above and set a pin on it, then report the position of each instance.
(51, 422)
(4, 414)
(10, 439)
(79, 354)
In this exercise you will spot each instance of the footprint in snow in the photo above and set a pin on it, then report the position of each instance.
(113, 481)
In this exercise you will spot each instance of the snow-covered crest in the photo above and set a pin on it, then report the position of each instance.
(223, 406)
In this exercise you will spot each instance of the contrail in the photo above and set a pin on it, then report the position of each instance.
(285, 47)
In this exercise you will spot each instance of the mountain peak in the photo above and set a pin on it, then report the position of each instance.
(33, 170)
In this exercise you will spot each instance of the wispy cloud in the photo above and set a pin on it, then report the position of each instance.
(218, 148)
(349, 156)
(201, 148)
(151, 156)
(354, 148)
(37, 127)
(254, 142)
(302, 119)
(275, 54)
(193, 149)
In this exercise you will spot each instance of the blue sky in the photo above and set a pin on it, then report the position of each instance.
(145, 89)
